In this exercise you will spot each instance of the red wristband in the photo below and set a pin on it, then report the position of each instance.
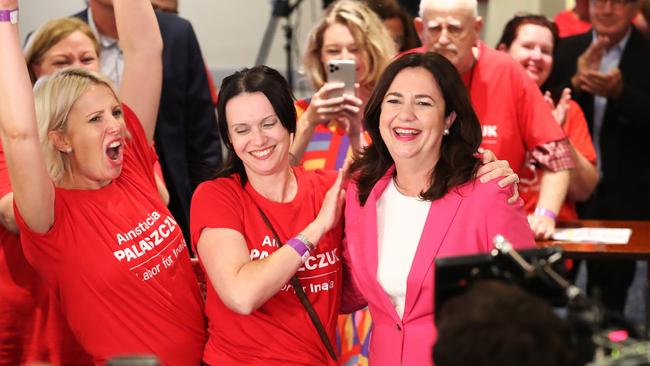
(541, 211)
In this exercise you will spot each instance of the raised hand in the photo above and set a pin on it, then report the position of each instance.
(589, 61)
(324, 108)
(560, 109)
(330, 212)
(609, 84)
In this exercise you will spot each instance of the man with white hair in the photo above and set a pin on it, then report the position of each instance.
(517, 122)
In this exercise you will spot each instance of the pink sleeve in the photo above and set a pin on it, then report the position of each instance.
(351, 298)
(508, 220)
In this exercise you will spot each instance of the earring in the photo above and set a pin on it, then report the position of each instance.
(68, 150)
(445, 132)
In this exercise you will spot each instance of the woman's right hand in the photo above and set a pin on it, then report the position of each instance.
(322, 108)
(332, 207)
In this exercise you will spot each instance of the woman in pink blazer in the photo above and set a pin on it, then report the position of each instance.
(415, 197)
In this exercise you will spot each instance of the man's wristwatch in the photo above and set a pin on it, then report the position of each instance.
(9, 16)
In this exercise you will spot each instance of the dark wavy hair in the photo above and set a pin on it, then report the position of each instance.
(261, 79)
(458, 162)
(511, 30)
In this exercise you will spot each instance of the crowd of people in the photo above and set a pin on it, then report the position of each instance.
(319, 228)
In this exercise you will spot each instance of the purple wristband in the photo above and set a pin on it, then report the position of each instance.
(541, 211)
(299, 247)
(10, 16)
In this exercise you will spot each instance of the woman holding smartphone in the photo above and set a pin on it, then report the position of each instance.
(329, 126)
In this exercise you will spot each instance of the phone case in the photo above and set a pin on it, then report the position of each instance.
(342, 71)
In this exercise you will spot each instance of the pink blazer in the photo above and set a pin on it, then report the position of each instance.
(463, 222)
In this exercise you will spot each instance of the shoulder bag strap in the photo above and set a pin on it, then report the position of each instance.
(303, 297)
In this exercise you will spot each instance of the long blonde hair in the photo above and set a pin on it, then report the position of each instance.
(376, 44)
(51, 33)
(55, 95)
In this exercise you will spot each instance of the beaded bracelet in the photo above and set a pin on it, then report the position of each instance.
(541, 211)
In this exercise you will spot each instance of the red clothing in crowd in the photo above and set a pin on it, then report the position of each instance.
(119, 264)
(32, 328)
(576, 129)
(568, 23)
(513, 114)
(280, 331)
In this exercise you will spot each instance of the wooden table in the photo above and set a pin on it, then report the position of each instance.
(638, 248)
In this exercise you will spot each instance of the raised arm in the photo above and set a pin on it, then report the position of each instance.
(244, 284)
(322, 109)
(32, 186)
(142, 45)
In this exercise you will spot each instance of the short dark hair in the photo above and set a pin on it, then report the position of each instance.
(261, 79)
(457, 163)
(498, 324)
(511, 30)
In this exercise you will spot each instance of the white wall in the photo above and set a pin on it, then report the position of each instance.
(230, 31)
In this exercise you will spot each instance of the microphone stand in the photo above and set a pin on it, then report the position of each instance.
(281, 9)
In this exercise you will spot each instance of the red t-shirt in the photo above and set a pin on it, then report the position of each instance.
(513, 114)
(32, 327)
(576, 129)
(280, 331)
(119, 264)
(568, 23)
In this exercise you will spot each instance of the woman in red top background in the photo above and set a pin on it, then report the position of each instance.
(530, 40)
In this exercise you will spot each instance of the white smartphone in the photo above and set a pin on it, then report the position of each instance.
(344, 71)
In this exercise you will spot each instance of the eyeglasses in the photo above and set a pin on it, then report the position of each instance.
(454, 29)
(618, 4)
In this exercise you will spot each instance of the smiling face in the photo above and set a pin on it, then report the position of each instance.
(258, 137)
(412, 118)
(612, 18)
(94, 139)
(339, 44)
(533, 49)
(75, 50)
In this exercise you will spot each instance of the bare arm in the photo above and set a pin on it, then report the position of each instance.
(162, 189)
(7, 218)
(244, 284)
(142, 45)
(584, 178)
(32, 186)
(323, 109)
(553, 189)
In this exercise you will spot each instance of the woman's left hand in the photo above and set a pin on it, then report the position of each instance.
(562, 108)
(330, 211)
(493, 168)
(543, 226)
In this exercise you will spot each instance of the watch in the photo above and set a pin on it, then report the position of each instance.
(9, 16)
